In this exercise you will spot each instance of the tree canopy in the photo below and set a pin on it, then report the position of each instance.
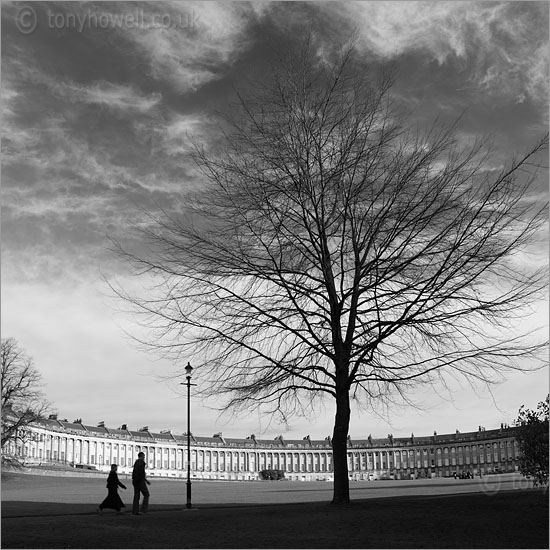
(338, 251)
(532, 437)
(23, 401)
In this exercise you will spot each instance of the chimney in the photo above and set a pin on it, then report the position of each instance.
(219, 435)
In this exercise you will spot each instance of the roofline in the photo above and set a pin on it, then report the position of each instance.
(280, 442)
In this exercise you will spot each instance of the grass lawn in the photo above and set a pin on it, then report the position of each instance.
(491, 519)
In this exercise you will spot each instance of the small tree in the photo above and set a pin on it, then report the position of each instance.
(22, 399)
(337, 252)
(532, 437)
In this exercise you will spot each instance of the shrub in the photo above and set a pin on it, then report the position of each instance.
(274, 475)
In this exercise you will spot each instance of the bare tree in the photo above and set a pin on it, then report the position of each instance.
(336, 251)
(22, 399)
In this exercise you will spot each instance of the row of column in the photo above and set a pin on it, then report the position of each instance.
(495, 452)
(102, 453)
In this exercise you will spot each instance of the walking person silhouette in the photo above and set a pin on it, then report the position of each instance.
(140, 482)
(113, 500)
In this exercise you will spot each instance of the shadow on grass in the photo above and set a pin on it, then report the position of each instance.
(517, 519)
(14, 509)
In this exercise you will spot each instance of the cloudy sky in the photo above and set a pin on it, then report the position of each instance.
(98, 102)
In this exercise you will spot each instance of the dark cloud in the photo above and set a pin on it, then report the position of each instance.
(98, 115)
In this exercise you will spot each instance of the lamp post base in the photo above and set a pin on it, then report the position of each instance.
(188, 503)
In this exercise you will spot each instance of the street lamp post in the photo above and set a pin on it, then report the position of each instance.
(188, 370)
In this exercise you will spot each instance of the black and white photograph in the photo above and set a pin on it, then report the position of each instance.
(275, 274)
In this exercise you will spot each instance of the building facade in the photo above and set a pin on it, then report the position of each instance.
(220, 458)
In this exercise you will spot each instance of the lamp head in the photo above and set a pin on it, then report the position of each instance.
(188, 369)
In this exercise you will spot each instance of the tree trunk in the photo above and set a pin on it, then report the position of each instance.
(340, 447)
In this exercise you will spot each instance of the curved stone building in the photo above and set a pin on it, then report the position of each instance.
(218, 457)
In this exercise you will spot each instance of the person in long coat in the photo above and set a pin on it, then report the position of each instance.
(113, 500)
